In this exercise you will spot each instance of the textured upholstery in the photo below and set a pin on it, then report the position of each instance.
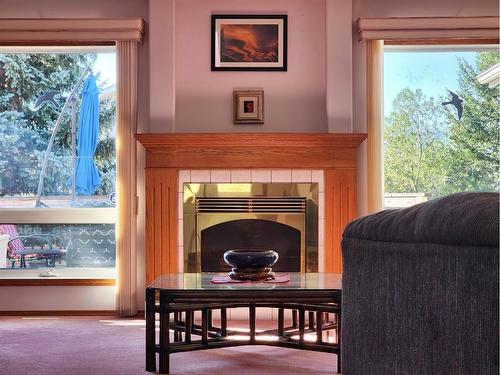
(420, 289)
(461, 219)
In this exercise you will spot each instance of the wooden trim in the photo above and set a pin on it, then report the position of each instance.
(422, 28)
(104, 215)
(340, 209)
(69, 43)
(437, 23)
(161, 222)
(152, 141)
(375, 104)
(59, 313)
(244, 150)
(27, 30)
(126, 246)
(440, 41)
(336, 154)
(57, 282)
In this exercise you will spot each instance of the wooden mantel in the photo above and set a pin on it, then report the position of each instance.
(166, 154)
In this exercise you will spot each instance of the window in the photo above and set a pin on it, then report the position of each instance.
(441, 124)
(57, 160)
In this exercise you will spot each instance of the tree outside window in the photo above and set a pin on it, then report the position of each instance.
(429, 150)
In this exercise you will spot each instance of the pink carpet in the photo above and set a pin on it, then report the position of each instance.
(107, 346)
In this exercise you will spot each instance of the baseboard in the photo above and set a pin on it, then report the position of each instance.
(59, 313)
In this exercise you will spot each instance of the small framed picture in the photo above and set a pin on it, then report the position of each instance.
(248, 106)
(249, 42)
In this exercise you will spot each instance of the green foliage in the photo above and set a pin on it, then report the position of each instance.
(427, 149)
(474, 139)
(22, 152)
(25, 130)
(416, 149)
(105, 153)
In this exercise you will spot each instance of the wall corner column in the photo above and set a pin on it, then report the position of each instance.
(339, 66)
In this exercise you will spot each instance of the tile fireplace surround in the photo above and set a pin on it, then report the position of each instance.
(286, 180)
(172, 159)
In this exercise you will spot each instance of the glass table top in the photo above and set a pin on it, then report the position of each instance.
(202, 281)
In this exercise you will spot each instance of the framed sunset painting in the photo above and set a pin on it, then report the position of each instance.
(249, 42)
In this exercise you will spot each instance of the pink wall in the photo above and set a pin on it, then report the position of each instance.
(72, 8)
(324, 88)
(339, 65)
(425, 8)
(294, 100)
(161, 65)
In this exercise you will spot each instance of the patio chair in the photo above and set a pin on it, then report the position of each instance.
(40, 246)
(4, 238)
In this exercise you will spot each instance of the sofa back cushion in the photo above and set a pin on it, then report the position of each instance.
(461, 219)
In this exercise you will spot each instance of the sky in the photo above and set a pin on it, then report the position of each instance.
(106, 66)
(432, 72)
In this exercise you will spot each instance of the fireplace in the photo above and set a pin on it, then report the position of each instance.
(277, 216)
(168, 156)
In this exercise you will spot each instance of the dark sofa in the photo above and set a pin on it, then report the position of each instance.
(420, 289)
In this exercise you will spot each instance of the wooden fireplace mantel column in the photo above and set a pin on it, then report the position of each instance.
(166, 154)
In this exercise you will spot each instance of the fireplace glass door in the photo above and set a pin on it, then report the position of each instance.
(280, 217)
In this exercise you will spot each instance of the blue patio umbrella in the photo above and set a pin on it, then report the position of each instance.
(86, 174)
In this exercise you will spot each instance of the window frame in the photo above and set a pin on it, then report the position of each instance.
(124, 34)
(422, 46)
(377, 32)
(56, 215)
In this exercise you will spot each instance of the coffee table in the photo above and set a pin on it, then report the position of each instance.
(181, 295)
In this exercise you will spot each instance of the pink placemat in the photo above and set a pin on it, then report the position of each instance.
(225, 279)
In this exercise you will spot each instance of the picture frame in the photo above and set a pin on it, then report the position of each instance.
(248, 106)
(249, 42)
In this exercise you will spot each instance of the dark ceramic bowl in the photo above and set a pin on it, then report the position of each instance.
(247, 258)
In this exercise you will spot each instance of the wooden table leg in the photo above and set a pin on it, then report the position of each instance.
(150, 331)
(319, 327)
(188, 327)
(177, 321)
(311, 320)
(164, 334)
(210, 320)
(223, 322)
(252, 322)
(204, 326)
(281, 322)
(302, 324)
(294, 318)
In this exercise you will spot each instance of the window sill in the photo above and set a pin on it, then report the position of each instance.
(65, 277)
(44, 281)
